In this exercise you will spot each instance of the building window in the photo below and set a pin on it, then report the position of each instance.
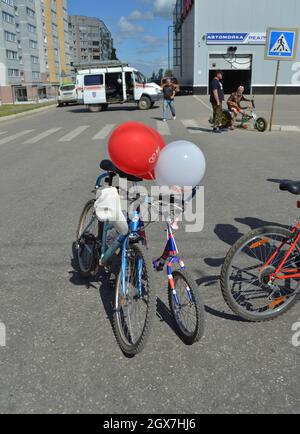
(31, 28)
(34, 59)
(12, 55)
(10, 37)
(13, 73)
(9, 2)
(30, 13)
(36, 75)
(8, 18)
(32, 44)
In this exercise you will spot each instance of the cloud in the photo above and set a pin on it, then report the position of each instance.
(127, 29)
(138, 15)
(164, 8)
(152, 44)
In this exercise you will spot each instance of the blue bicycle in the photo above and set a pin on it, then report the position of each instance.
(135, 296)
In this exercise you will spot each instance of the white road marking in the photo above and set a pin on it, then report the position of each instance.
(202, 102)
(3, 132)
(104, 132)
(73, 134)
(15, 136)
(163, 128)
(41, 136)
(192, 126)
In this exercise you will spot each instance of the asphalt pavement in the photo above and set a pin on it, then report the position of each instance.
(60, 354)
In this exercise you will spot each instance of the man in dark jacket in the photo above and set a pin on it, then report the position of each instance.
(216, 99)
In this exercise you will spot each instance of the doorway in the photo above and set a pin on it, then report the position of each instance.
(237, 70)
(114, 87)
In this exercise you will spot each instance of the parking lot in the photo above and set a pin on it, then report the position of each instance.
(60, 353)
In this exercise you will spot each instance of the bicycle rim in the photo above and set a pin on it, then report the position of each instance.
(248, 275)
(133, 309)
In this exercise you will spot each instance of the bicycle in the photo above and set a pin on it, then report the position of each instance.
(183, 296)
(135, 297)
(260, 278)
(259, 123)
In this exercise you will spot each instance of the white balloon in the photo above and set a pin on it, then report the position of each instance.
(181, 164)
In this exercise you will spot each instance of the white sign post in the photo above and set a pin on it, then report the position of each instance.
(281, 45)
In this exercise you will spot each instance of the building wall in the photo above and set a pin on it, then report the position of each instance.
(90, 40)
(237, 16)
(40, 46)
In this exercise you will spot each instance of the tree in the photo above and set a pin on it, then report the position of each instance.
(168, 73)
(153, 77)
(114, 54)
(160, 74)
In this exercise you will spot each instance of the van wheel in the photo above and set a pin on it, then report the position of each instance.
(60, 104)
(95, 108)
(144, 103)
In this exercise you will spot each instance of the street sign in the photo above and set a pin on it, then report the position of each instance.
(281, 44)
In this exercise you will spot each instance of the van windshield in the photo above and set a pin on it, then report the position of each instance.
(139, 77)
(68, 87)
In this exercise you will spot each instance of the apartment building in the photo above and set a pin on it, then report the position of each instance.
(90, 40)
(34, 49)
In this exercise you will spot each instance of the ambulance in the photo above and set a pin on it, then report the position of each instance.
(103, 85)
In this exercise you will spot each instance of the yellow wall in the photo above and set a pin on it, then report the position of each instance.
(53, 70)
(50, 41)
(61, 36)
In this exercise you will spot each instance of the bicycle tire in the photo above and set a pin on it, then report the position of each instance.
(226, 291)
(93, 269)
(197, 334)
(132, 349)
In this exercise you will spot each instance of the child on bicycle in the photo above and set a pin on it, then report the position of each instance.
(234, 106)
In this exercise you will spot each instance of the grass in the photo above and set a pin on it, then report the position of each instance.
(13, 109)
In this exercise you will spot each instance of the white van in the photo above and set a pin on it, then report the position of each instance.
(99, 87)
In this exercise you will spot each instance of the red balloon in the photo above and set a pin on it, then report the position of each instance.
(134, 148)
(151, 176)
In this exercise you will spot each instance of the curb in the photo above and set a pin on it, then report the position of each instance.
(26, 113)
(286, 128)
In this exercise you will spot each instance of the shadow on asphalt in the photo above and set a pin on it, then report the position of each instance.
(109, 109)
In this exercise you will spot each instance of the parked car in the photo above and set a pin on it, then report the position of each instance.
(67, 94)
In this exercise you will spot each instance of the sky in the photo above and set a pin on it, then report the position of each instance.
(139, 28)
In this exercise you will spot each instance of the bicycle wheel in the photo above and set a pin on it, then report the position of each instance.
(261, 125)
(134, 313)
(187, 308)
(88, 235)
(245, 282)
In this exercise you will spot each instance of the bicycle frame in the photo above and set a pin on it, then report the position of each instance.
(287, 273)
(169, 258)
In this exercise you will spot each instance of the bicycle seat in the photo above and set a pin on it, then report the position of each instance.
(108, 166)
(291, 186)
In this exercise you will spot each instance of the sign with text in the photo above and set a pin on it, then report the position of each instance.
(236, 38)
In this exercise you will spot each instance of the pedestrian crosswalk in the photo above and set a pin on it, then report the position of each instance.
(41, 136)
(64, 135)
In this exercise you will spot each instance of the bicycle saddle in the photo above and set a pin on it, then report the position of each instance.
(291, 186)
(108, 166)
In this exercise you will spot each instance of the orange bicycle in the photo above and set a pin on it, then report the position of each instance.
(260, 277)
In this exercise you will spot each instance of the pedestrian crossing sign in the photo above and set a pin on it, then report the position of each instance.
(281, 44)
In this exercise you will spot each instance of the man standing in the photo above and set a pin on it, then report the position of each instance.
(169, 91)
(216, 99)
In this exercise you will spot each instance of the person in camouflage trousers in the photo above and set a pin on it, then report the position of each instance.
(216, 99)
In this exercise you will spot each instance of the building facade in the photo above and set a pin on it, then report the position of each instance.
(34, 49)
(232, 37)
(90, 40)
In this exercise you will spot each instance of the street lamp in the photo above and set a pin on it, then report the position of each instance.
(169, 56)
